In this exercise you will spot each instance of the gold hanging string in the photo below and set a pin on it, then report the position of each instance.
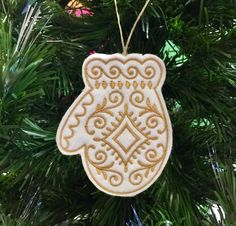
(125, 46)
(120, 28)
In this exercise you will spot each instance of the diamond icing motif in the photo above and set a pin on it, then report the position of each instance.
(119, 124)
(125, 139)
(126, 143)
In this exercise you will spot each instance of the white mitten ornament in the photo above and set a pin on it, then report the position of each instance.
(119, 124)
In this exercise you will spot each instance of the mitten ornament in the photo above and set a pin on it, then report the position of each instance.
(119, 124)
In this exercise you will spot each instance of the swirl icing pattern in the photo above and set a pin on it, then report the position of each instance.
(119, 124)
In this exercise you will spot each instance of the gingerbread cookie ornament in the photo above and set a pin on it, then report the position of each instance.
(119, 124)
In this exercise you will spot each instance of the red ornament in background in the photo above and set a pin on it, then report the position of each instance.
(77, 9)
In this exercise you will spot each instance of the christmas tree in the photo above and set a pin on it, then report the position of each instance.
(42, 48)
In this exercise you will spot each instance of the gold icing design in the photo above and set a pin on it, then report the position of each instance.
(119, 124)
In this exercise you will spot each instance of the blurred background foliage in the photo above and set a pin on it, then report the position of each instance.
(42, 48)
